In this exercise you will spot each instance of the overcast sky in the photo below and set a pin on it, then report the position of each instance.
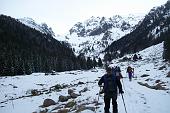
(61, 15)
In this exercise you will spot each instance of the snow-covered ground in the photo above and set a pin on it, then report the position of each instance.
(15, 92)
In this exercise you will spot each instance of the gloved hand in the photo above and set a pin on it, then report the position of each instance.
(101, 92)
(121, 91)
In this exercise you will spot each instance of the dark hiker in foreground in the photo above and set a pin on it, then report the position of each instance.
(111, 82)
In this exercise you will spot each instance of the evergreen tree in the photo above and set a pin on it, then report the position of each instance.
(94, 62)
(89, 63)
(100, 64)
(108, 57)
(82, 61)
(166, 54)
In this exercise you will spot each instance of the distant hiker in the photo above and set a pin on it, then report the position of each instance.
(135, 57)
(111, 82)
(117, 72)
(130, 71)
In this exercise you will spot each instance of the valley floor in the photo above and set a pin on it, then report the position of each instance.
(137, 98)
(17, 96)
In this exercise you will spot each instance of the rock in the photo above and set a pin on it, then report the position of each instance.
(63, 111)
(84, 90)
(46, 73)
(145, 75)
(34, 92)
(79, 83)
(162, 67)
(70, 91)
(94, 70)
(82, 108)
(70, 104)
(159, 87)
(124, 59)
(74, 95)
(168, 74)
(44, 111)
(157, 81)
(63, 98)
(48, 102)
(156, 87)
(149, 79)
(15, 87)
(58, 86)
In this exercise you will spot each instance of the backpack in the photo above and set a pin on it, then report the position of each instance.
(129, 69)
(117, 72)
(117, 69)
(110, 83)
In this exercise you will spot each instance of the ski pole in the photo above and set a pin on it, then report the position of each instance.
(124, 103)
(97, 100)
(98, 96)
(123, 84)
(99, 92)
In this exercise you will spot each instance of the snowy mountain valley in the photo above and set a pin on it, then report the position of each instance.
(43, 72)
(77, 91)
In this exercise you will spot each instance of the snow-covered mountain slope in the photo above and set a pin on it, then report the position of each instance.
(159, 15)
(16, 90)
(40, 27)
(154, 29)
(93, 35)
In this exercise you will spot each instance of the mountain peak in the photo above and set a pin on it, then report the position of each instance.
(94, 34)
(43, 27)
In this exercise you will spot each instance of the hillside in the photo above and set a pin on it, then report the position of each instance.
(154, 29)
(25, 50)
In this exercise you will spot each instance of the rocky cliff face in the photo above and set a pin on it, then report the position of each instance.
(43, 27)
(92, 36)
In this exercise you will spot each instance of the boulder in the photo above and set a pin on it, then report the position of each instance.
(157, 81)
(144, 75)
(79, 83)
(48, 102)
(63, 111)
(70, 91)
(84, 90)
(159, 87)
(168, 74)
(70, 104)
(63, 98)
(74, 95)
(162, 67)
(35, 92)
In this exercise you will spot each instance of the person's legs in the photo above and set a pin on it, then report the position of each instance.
(107, 104)
(130, 76)
(114, 102)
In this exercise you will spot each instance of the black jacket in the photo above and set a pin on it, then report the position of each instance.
(115, 80)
